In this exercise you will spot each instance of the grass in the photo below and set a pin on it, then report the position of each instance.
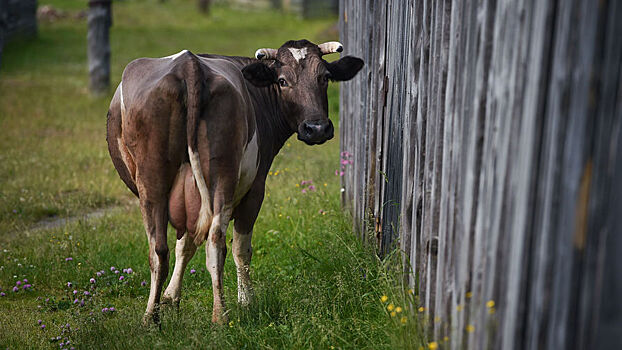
(316, 285)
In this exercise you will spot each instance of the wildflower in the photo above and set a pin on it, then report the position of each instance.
(25, 280)
(69, 259)
(398, 309)
(112, 309)
(231, 324)
(143, 283)
(469, 295)
(102, 272)
(39, 321)
(312, 188)
(193, 271)
(421, 309)
(121, 278)
(75, 292)
(433, 345)
(15, 289)
(470, 328)
(411, 291)
(42, 326)
(445, 338)
(69, 284)
(403, 320)
(92, 280)
(304, 190)
(390, 307)
(76, 301)
(129, 270)
(86, 292)
(124, 270)
(26, 286)
(112, 268)
(19, 283)
(490, 304)
(2, 294)
(104, 310)
(116, 271)
(99, 274)
(393, 313)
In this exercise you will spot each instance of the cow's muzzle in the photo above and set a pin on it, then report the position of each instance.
(316, 132)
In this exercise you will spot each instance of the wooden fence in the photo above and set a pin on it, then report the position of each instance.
(483, 139)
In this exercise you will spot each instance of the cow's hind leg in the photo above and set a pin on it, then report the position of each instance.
(155, 220)
(216, 251)
(184, 251)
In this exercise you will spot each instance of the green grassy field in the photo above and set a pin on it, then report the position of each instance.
(316, 285)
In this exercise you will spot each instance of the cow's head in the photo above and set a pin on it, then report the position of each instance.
(301, 76)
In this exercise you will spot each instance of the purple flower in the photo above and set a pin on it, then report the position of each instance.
(76, 301)
(112, 309)
(39, 321)
(86, 292)
(99, 274)
(75, 292)
(312, 188)
(25, 280)
(304, 190)
(124, 270)
(82, 302)
(143, 283)
(69, 259)
(61, 345)
(121, 278)
(69, 284)
(112, 268)
(15, 289)
(344, 162)
(18, 283)
(2, 294)
(42, 326)
(105, 309)
(129, 270)
(102, 272)
(116, 271)
(192, 271)
(14, 211)
(47, 299)
(92, 280)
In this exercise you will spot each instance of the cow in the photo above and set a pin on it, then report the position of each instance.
(193, 137)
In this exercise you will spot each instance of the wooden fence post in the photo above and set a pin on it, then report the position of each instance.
(98, 37)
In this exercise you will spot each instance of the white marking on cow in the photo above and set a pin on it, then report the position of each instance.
(121, 96)
(298, 54)
(242, 251)
(175, 56)
(248, 169)
(205, 212)
(330, 47)
(184, 250)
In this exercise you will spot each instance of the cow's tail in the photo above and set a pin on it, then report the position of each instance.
(194, 92)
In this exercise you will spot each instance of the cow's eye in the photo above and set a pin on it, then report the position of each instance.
(282, 82)
(324, 78)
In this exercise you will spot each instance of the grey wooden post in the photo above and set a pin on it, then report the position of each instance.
(98, 37)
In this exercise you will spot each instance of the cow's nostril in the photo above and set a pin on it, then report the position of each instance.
(307, 129)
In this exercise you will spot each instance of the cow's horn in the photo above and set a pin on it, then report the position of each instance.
(330, 47)
(265, 54)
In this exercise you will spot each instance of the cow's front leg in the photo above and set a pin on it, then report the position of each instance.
(184, 251)
(216, 251)
(242, 252)
(155, 220)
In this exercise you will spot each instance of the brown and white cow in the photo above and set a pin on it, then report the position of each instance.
(193, 136)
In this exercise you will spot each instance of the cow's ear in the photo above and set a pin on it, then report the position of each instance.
(345, 68)
(259, 74)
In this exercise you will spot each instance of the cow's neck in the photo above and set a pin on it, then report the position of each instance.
(271, 122)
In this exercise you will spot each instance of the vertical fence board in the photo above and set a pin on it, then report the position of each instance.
(486, 141)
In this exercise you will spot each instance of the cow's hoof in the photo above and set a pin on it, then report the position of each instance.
(168, 301)
(220, 318)
(151, 320)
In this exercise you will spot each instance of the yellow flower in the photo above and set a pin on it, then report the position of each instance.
(490, 304)
(325, 184)
(421, 309)
(403, 319)
(384, 298)
(390, 307)
(297, 185)
(433, 345)
(393, 314)
(491, 310)
(459, 307)
(411, 291)
(398, 309)
(469, 295)
(470, 328)
(269, 173)
(446, 338)
(231, 324)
